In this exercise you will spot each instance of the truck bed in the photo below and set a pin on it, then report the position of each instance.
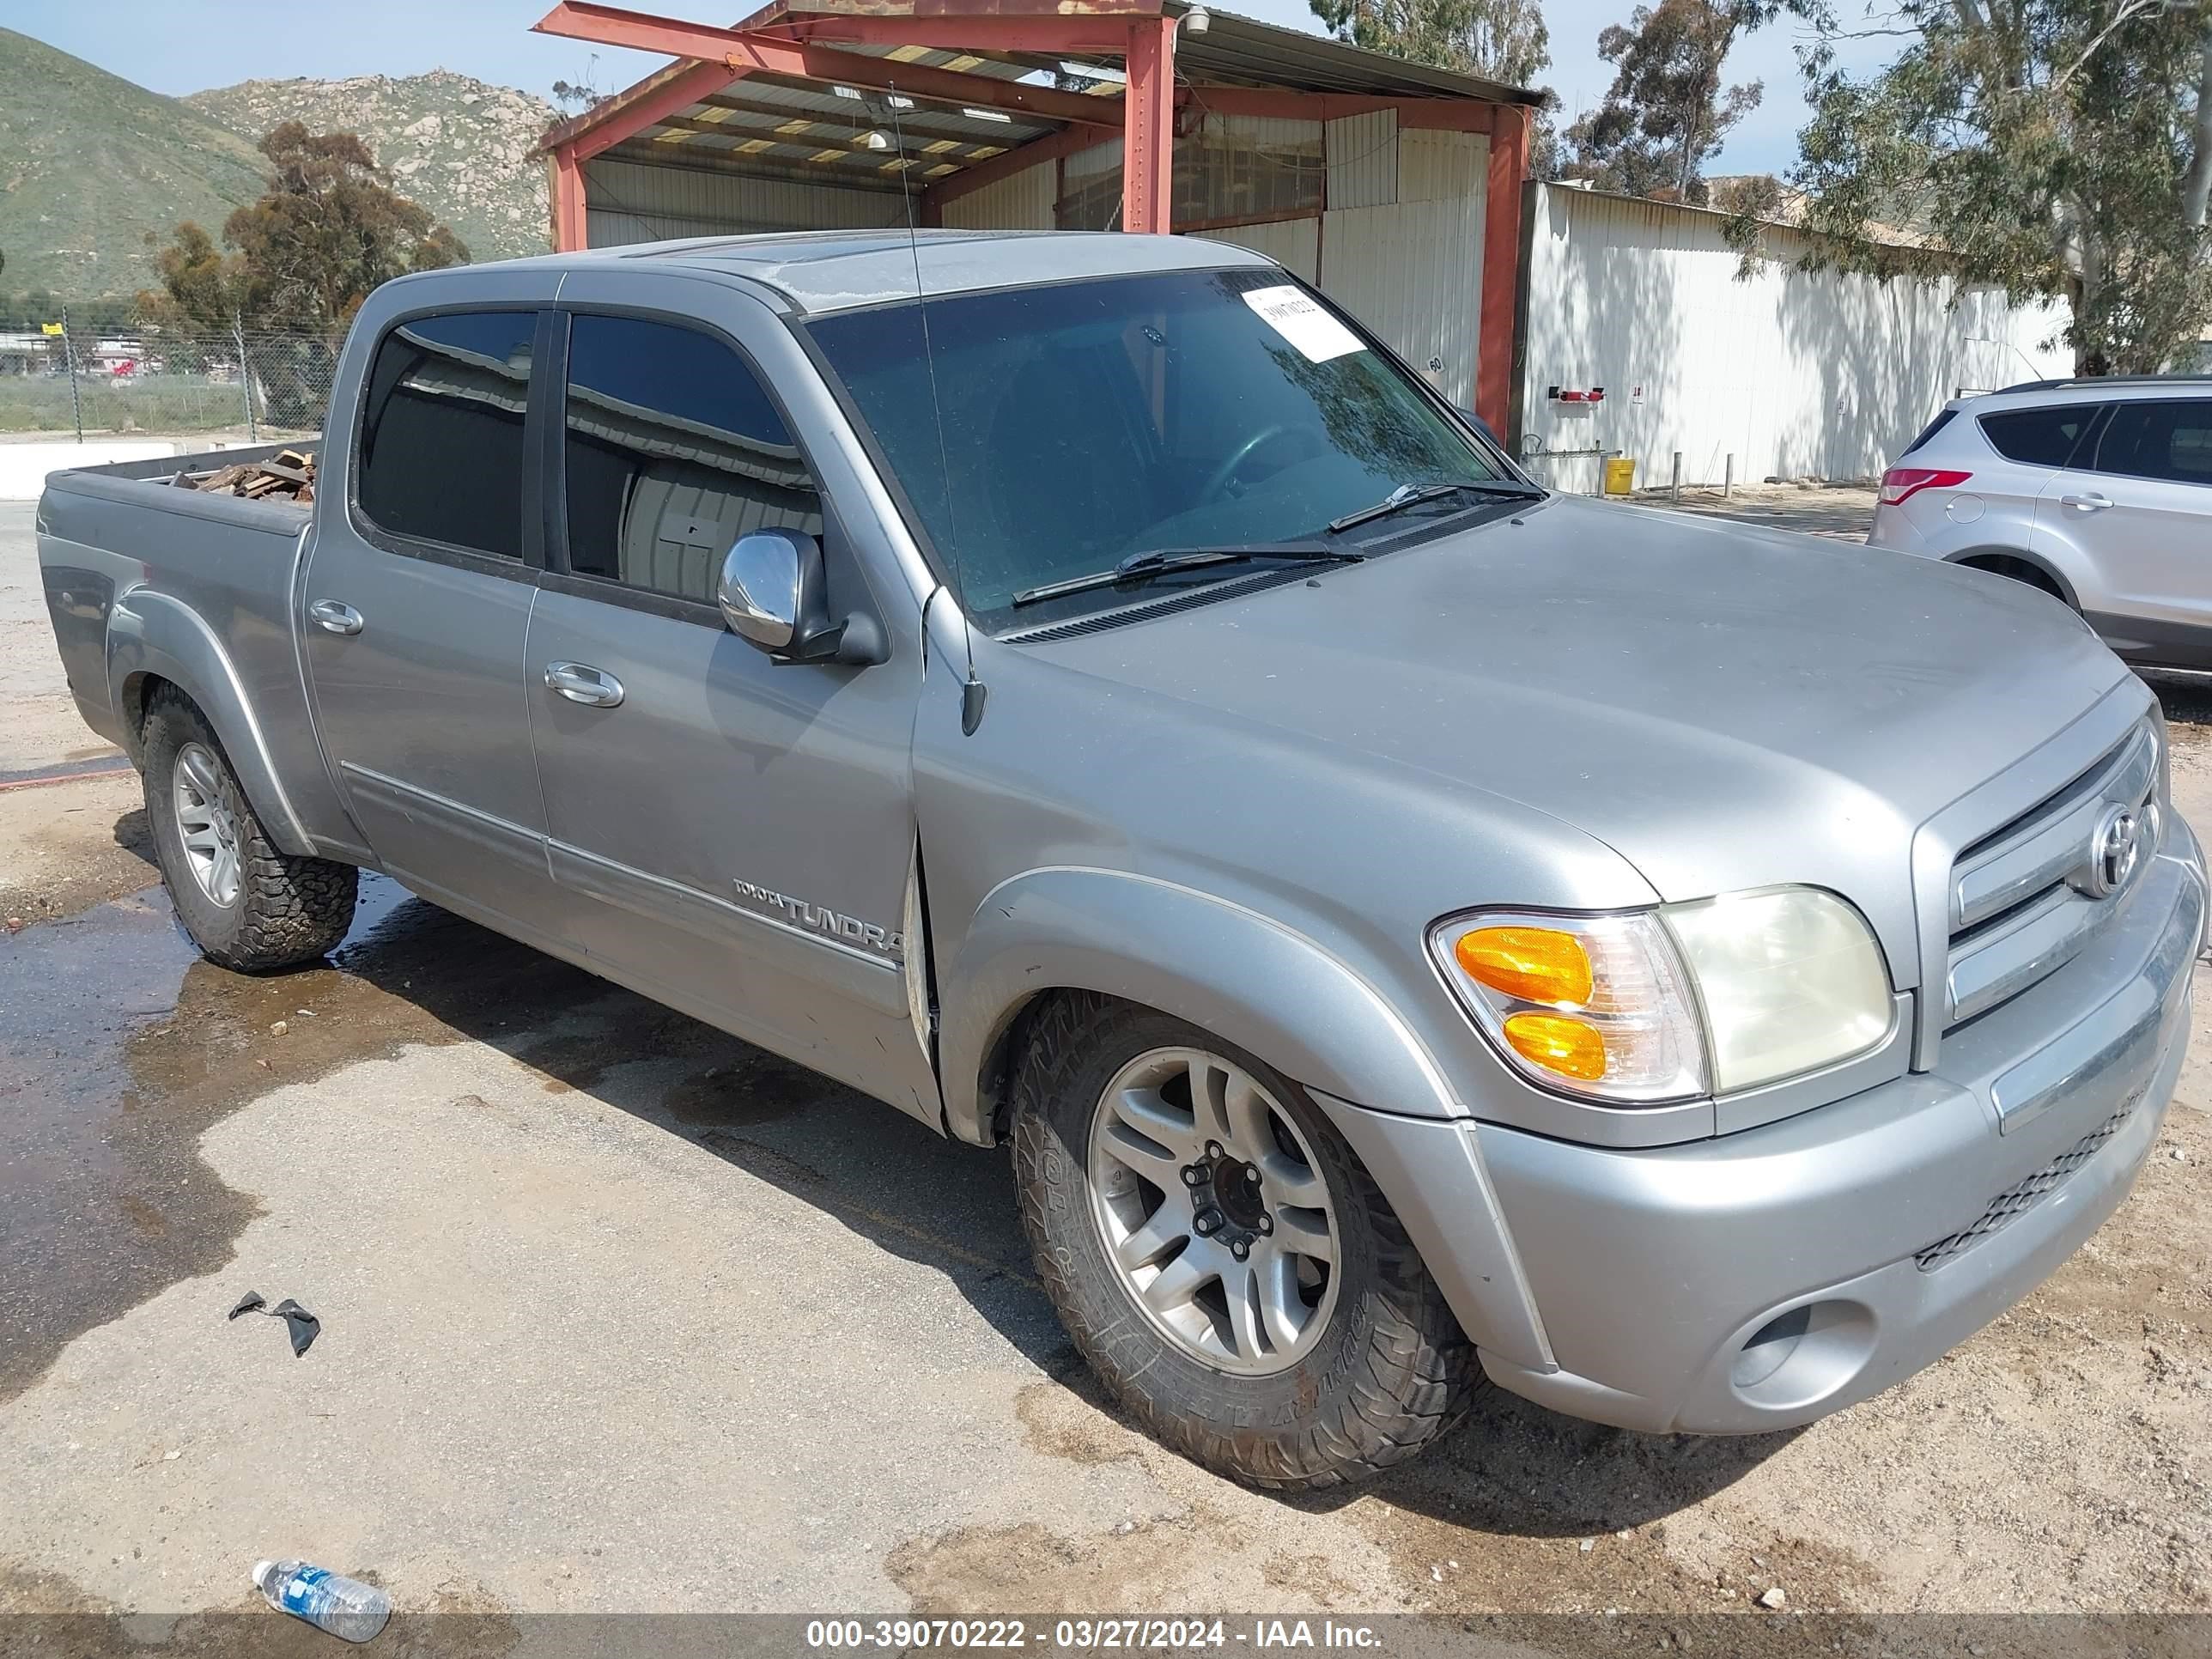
(138, 570)
(147, 482)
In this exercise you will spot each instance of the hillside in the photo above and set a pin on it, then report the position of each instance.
(90, 163)
(462, 148)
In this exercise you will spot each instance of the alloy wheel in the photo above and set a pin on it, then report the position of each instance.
(1213, 1211)
(207, 828)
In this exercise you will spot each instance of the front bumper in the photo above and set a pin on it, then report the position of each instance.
(1762, 1279)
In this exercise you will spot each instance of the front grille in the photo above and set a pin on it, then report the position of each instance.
(2015, 1201)
(2022, 900)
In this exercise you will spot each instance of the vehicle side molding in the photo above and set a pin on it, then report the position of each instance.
(150, 633)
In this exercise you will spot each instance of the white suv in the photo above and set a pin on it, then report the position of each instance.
(2099, 492)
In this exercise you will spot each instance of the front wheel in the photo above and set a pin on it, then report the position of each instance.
(247, 905)
(1221, 1258)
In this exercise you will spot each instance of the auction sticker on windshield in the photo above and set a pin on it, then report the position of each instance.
(1293, 313)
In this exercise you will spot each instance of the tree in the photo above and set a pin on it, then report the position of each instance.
(327, 230)
(202, 291)
(2053, 147)
(1503, 40)
(1666, 112)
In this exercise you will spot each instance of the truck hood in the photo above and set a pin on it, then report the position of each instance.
(1725, 707)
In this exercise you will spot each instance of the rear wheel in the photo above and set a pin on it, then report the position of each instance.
(246, 904)
(1221, 1258)
(2017, 569)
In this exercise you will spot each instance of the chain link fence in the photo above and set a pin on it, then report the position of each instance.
(252, 383)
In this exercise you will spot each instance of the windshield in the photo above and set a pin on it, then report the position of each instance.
(1085, 423)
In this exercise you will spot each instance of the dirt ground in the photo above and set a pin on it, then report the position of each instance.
(621, 1315)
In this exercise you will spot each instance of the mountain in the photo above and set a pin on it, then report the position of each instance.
(90, 163)
(462, 148)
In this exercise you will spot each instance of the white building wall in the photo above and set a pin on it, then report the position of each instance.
(628, 201)
(1411, 269)
(1293, 244)
(1024, 202)
(1795, 375)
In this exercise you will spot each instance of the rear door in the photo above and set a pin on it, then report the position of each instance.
(417, 600)
(734, 836)
(2137, 501)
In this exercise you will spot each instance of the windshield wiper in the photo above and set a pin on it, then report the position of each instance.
(1159, 561)
(1406, 496)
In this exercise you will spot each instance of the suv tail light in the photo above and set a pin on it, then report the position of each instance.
(1901, 483)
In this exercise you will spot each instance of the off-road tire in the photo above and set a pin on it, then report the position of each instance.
(1392, 1374)
(289, 909)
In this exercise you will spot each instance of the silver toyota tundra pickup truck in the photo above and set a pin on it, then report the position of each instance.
(1087, 693)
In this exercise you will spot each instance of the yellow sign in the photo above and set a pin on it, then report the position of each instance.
(49, 328)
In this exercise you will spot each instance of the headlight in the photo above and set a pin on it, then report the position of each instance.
(1666, 1004)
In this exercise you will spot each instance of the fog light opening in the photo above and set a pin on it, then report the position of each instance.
(1802, 1356)
(1770, 1346)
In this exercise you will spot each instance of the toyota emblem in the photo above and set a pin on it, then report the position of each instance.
(2115, 849)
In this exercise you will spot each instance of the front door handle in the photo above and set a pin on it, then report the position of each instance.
(579, 682)
(2088, 501)
(335, 617)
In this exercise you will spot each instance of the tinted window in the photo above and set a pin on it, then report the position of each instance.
(1942, 420)
(2040, 437)
(674, 452)
(1086, 422)
(2159, 440)
(441, 430)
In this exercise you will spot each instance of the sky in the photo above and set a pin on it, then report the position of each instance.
(177, 46)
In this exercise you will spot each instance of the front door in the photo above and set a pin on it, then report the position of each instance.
(416, 609)
(734, 836)
(2137, 508)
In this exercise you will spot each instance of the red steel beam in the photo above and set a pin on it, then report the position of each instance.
(1148, 127)
(1060, 36)
(740, 52)
(665, 92)
(1501, 266)
(970, 179)
(570, 232)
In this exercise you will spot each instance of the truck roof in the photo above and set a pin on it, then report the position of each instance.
(825, 270)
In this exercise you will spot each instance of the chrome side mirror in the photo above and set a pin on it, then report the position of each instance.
(772, 594)
(766, 581)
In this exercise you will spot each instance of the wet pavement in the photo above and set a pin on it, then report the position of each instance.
(119, 1047)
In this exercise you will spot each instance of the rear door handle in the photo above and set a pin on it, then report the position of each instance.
(2088, 501)
(335, 617)
(579, 682)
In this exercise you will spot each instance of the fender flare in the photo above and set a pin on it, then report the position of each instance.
(1965, 555)
(1276, 993)
(151, 633)
(1242, 976)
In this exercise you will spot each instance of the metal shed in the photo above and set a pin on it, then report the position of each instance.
(1394, 187)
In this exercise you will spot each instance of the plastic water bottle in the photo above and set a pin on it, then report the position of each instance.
(345, 1607)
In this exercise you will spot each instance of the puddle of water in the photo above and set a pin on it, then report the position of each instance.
(119, 1047)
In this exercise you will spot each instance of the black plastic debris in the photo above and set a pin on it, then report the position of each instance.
(304, 1325)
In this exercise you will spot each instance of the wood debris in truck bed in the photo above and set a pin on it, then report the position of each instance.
(290, 476)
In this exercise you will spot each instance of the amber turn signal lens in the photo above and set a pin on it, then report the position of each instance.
(1572, 1047)
(1532, 964)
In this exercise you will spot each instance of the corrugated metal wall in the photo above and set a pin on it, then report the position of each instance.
(1797, 375)
(1400, 245)
(1294, 244)
(1363, 159)
(633, 202)
(1411, 269)
(1024, 202)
